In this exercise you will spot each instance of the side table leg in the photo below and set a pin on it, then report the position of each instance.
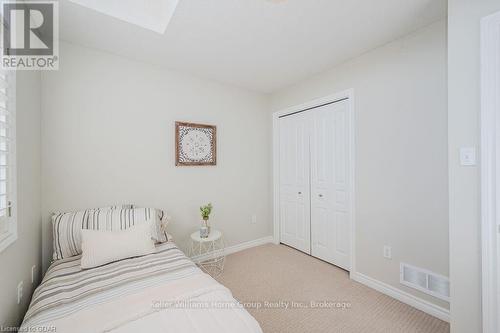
(223, 249)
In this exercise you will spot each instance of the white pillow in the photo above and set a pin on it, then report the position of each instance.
(102, 247)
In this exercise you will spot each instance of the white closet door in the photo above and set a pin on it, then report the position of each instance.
(294, 182)
(330, 218)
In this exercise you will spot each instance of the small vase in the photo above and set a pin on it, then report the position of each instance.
(205, 229)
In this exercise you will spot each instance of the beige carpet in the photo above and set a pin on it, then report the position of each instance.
(275, 273)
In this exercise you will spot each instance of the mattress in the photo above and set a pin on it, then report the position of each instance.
(160, 292)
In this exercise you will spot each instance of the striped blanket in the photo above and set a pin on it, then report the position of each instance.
(119, 296)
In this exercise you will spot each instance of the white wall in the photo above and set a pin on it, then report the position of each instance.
(401, 151)
(464, 115)
(16, 261)
(108, 137)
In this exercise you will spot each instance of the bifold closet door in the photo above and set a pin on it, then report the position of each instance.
(330, 218)
(295, 225)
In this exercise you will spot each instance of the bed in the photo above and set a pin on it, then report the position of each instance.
(160, 292)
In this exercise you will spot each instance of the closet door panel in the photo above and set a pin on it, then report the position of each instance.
(330, 227)
(322, 164)
(341, 186)
(294, 182)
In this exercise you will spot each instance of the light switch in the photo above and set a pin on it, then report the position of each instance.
(467, 156)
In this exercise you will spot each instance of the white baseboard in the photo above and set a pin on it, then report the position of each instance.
(238, 247)
(416, 302)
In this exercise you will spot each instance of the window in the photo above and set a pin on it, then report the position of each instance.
(8, 221)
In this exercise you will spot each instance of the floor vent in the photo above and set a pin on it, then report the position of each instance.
(425, 281)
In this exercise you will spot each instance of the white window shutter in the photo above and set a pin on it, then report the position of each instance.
(8, 223)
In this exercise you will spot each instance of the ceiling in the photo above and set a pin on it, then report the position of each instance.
(152, 14)
(261, 45)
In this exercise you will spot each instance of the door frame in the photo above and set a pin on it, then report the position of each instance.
(490, 157)
(336, 97)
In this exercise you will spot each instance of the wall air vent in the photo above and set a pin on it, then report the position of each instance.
(425, 281)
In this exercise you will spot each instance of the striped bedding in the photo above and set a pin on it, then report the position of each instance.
(67, 227)
(118, 297)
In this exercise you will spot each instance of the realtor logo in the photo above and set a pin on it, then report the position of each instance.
(30, 35)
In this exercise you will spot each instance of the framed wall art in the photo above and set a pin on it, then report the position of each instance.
(195, 144)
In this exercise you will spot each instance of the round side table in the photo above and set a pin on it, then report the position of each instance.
(208, 253)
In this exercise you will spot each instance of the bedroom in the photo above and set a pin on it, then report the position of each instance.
(394, 240)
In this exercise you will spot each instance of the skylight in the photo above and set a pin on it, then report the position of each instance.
(152, 14)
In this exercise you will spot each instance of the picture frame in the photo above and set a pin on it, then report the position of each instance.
(195, 144)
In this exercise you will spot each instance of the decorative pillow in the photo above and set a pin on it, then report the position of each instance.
(102, 247)
(67, 227)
